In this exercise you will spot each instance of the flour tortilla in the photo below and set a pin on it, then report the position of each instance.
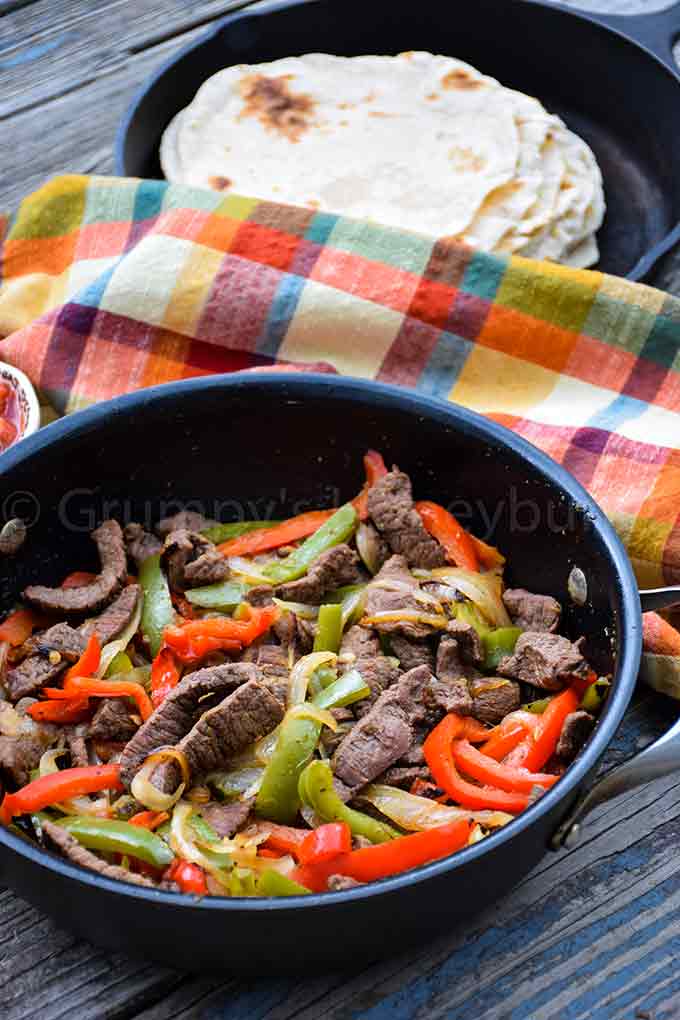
(417, 141)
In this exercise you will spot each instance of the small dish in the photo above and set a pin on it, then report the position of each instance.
(24, 407)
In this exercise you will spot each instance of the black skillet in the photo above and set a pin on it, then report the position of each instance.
(267, 445)
(622, 96)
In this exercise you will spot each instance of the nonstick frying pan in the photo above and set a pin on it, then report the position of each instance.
(267, 445)
(622, 96)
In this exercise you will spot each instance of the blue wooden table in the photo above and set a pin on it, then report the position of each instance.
(591, 934)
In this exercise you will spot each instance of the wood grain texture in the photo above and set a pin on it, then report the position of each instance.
(591, 934)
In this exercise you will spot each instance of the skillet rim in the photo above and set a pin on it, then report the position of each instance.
(444, 413)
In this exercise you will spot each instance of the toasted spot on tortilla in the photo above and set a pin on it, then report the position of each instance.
(220, 183)
(466, 160)
(461, 79)
(275, 106)
(432, 95)
(380, 113)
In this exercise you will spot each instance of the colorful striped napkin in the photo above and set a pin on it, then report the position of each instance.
(109, 285)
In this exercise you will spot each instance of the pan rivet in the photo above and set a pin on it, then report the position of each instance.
(577, 586)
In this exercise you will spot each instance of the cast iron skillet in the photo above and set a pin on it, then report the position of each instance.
(622, 96)
(268, 445)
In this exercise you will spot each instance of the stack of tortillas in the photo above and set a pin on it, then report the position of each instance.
(416, 141)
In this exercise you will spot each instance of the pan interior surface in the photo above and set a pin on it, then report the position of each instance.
(600, 83)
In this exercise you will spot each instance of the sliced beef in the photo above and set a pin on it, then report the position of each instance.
(192, 560)
(272, 661)
(404, 776)
(18, 756)
(449, 691)
(340, 883)
(295, 635)
(90, 597)
(493, 698)
(71, 848)
(375, 550)
(412, 653)
(385, 733)
(545, 660)
(393, 589)
(51, 653)
(227, 819)
(532, 612)
(185, 519)
(306, 632)
(62, 638)
(249, 713)
(360, 650)
(77, 745)
(576, 729)
(331, 739)
(333, 569)
(140, 544)
(115, 618)
(390, 504)
(469, 641)
(112, 722)
(260, 595)
(177, 714)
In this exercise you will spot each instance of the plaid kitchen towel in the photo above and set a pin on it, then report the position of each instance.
(110, 285)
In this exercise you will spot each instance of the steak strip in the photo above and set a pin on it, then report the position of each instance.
(390, 505)
(90, 597)
(71, 848)
(332, 569)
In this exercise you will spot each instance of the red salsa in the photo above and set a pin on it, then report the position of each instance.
(10, 416)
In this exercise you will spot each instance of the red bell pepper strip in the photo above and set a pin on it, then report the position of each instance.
(164, 675)
(195, 638)
(439, 756)
(149, 819)
(88, 663)
(74, 710)
(19, 626)
(384, 859)
(254, 542)
(325, 842)
(374, 466)
(189, 877)
(455, 540)
(474, 731)
(80, 686)
(488, 555)
(78, 579)
(503, 739)
(285, 838)
(541, 746)
(275, 855)
(492, 773)
(59, 786)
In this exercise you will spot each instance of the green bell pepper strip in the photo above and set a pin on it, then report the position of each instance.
(224, 532)
(278, 798)
(157, 611)
(497, 644)
(537, 707)
(224, 595)
(230, 785)
(119, 837)
(468, 613)
(120, 663)
(316, 790)
(328, 628)
(347, 689)
(335, 530)
(327, 639)
(242, 882)
(273, 883)
(593, 698)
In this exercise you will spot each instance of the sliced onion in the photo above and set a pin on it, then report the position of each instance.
(185, 846)
(111, 650)
(238, 782)
(305, 710)
(300, 609)
(394, 584)
(143, 790)
(366, 547)
(48, 761)
(247, 570)
(476, 835)
(484, 590)
(407, 616)
(353, 606)
(302, 671)
(10, 722)
(417, 813)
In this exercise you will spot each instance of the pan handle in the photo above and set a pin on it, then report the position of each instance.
(659, 759)
(657, 32)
